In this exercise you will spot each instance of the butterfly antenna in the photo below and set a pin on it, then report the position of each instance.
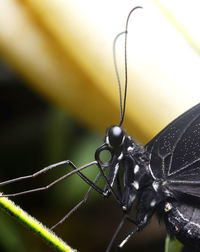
(117, 71)
(125, 68)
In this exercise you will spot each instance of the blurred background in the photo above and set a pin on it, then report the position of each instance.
(58, 94)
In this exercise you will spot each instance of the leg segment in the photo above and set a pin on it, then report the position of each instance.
(125, 217)
(79, 204)
(76, 170)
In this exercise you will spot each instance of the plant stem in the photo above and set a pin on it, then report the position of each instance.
(34, 225)
(167, 241)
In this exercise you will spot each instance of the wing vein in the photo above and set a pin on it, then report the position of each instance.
(178, 139)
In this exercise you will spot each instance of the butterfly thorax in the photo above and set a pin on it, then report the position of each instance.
(128, 167)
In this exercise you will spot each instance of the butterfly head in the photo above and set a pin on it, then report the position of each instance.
(115, 136)
(114, 141)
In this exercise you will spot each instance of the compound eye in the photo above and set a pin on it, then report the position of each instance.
(115, 136)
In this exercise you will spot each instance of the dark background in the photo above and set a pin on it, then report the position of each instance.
(34, 134)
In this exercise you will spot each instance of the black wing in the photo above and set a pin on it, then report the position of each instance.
(175, 153)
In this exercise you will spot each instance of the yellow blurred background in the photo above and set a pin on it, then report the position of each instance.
(62, 51)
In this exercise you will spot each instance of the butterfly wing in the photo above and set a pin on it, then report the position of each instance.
(175, 153)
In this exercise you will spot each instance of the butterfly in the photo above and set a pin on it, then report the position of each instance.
(161, 177)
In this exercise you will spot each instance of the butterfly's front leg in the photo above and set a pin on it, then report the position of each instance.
(113, 166)
(110, 180)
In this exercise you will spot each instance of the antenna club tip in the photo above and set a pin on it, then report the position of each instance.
(138, 7)
(135, 8)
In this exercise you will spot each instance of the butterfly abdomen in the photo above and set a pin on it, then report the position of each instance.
(183, 221)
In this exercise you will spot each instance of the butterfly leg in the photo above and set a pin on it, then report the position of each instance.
(145, 209)
(76, 170)
(73, 209)
(34, 175)
(135, 230)
(110, 181)
(125, 217)
(78, 205)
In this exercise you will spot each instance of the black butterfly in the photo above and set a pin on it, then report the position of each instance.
(164, 175)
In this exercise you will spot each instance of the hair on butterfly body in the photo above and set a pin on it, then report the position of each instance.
(163, 175)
